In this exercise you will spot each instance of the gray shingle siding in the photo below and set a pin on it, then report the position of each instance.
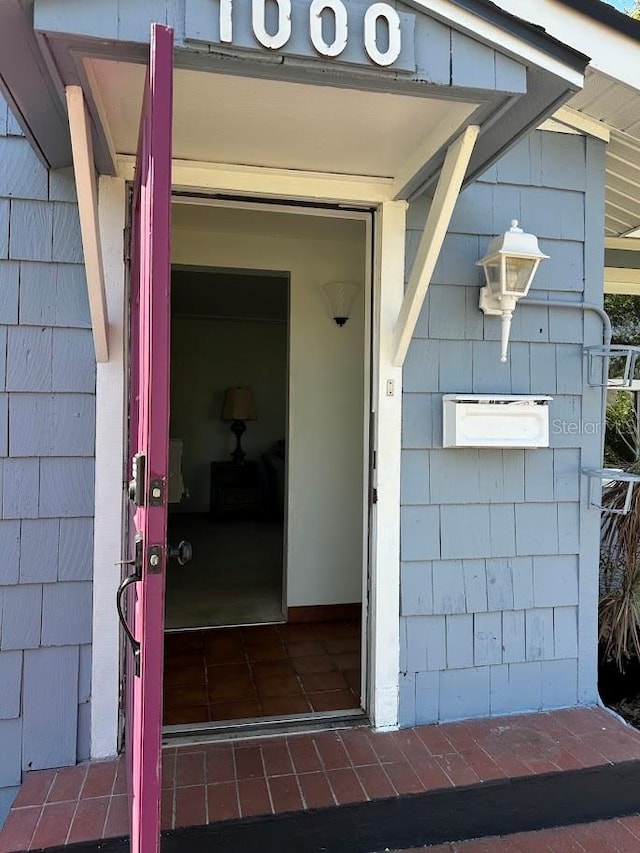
(497, 546)
(47, 435)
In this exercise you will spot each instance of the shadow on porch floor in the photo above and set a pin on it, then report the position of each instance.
(307, 776)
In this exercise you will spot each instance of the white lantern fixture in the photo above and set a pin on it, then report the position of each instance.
(509, 267)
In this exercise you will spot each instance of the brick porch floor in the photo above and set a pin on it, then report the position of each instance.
(206, 783)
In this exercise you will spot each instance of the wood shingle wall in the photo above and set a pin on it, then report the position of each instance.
(499, 550)
(47, 426)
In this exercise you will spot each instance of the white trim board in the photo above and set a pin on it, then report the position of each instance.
(618, 280)
(109, 471)
(583, 123)
(627, 244)
(388, 282)
(271, 183)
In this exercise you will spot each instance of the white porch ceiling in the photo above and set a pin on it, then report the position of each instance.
(617, 105)
(248, 121)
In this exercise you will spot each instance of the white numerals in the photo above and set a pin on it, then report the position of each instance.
(339, 11)
(372, 15)
(320, 14)
(226, 27)
(282, 34)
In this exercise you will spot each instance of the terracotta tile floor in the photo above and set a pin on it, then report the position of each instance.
(261, 670)
(607, 836)
(204, 783)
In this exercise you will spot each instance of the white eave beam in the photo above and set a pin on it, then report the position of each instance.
(87, 192)
(447, 191)
(582, 122)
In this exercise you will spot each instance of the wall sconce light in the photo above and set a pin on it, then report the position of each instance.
(238, 407)
(509, 266)
(340, 295)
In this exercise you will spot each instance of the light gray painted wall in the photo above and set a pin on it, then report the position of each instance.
(47, 415)
(499, 552)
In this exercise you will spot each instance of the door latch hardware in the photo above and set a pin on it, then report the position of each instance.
(138, 476)
(136, 576)
(156, 492)
(154, 559)
(183, 552)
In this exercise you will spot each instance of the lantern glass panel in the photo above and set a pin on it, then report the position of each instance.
(518, 274)
(492, 274)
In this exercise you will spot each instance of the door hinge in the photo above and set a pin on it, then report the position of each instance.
(127, 243)
(374, 495)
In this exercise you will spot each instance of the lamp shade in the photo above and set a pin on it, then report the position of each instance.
(340, 295)
(238, 405)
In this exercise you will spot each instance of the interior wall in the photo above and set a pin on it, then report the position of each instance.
(326, 381)
(207, 356)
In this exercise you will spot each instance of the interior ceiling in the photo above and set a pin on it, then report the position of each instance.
(221, 118)
(618, 106)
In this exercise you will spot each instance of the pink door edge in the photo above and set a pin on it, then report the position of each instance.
(149, 438)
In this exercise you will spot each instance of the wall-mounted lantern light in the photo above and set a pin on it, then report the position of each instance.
(340, 295)
(509, 266)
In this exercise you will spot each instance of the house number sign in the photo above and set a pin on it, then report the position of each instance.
(333, 29)
(319, 9)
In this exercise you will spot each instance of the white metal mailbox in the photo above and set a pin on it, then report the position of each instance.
(495, 420)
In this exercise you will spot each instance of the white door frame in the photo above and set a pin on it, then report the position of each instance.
(388, 274)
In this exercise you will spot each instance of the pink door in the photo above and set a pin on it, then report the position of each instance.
(149, 442)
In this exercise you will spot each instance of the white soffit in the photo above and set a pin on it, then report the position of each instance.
(224, 119)
(617, 105)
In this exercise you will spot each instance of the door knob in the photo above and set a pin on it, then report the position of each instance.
(183, 552)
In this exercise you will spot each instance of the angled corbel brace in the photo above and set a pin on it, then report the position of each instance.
(87, 192)
(440, 212)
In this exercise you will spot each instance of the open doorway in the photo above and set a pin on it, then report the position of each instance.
(268, 466)
(229, 343)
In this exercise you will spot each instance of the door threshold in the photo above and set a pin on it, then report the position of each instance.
(261, 727)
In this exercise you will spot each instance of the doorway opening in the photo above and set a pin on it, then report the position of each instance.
(266, 622)
(229, 342)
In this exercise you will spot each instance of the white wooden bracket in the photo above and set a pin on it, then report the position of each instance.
(87, 192)
(449, 183)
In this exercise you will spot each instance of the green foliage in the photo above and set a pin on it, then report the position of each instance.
(621, 437)
(619, 605)
(624, 311)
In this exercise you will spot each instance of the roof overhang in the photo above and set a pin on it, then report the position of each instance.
(616, 106)
(609, 103)
(411, 126)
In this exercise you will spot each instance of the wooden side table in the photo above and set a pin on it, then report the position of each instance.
(236, 490)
